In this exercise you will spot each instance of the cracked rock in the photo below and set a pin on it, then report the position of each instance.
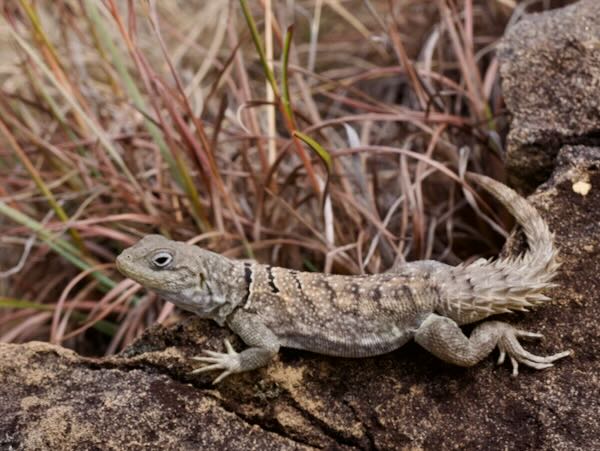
(550, 68)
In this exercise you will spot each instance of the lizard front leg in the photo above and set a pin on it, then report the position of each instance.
(264, 345)
(443, 338)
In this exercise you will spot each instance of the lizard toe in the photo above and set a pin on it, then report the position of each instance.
(206, 368)
(509, 344)
(526, 334)
(222, 376)
(502, 355)
(213, 360)
(203, 359)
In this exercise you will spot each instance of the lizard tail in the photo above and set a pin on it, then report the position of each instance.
(515, 283)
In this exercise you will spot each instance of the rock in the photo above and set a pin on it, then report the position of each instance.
(146, 398)
(51, 398)
(550, 68)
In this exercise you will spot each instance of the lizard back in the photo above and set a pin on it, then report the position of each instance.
(350, 316)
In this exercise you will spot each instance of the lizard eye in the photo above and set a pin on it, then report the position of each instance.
(162, 259)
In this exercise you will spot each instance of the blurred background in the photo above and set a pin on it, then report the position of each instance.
(324, 135)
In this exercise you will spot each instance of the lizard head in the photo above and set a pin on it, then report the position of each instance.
(189, 276)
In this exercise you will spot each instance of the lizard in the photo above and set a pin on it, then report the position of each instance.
(357, 315)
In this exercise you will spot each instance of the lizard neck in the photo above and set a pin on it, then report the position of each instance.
(214, 287)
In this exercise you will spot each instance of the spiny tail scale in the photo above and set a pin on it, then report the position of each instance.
(515, 283)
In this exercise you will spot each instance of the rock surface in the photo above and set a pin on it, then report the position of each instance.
(550, 67)
(146, 398)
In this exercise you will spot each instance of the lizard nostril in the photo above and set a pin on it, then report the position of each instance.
(120, 260)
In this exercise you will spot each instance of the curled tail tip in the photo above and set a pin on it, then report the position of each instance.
(539, 237)
(515, 282)
(480, 179)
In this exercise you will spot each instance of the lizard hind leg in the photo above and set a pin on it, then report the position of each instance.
(443, 338)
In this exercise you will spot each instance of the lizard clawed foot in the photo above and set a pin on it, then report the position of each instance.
(229, 362)
(509, 344)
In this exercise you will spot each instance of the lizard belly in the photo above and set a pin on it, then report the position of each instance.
(357, 346)
(345, 336)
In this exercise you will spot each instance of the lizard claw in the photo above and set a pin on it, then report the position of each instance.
(509, 344)
(229, 362)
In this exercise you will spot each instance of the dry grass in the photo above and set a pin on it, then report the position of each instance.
(337, 148)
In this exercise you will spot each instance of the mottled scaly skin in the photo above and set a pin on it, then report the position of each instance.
(339, 315)
(356, 316)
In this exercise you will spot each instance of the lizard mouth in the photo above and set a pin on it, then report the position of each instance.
(127, 266)
(121, 264)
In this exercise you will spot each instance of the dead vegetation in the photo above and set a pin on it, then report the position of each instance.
(323, 135)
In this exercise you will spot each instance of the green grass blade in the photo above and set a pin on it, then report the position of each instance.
(39, 182)
(317, 148)
(259, 46)
(130, 87)
(287, 104)
(62, 247)
(93, 126)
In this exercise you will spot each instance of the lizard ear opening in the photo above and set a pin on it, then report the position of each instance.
(161, 259)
